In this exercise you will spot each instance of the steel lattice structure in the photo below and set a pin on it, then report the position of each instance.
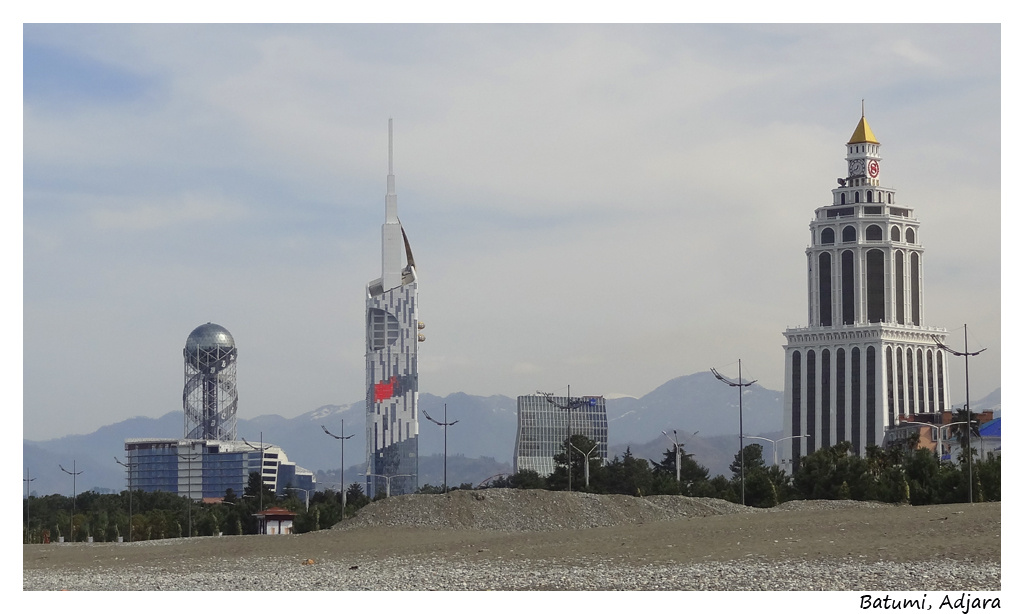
(210, 397)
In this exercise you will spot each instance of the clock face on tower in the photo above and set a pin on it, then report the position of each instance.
(856, 168)
(873, 168)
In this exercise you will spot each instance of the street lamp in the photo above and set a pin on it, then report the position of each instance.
(28, 479)
(388, 478)
(74, 493)
(128, 465)
(303, 490)
(570, 405)
(775, 444)
(444, 424)
(967, 405)
(191, 456)
(739, 384)
(678, 447)
(262, 451)
(342, 437)
(586, 463)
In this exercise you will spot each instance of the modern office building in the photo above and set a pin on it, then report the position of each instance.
(544, 424)
(207, 468)
(207, 460)
(392, 375)
(865, 358)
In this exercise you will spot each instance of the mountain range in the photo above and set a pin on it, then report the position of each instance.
(479, 446)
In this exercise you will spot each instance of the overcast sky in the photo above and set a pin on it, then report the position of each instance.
(606, 207)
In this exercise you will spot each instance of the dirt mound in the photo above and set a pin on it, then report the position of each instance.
(512, 510)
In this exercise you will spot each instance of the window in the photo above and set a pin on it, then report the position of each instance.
(910, 235)
(876, 285)
(874, 233)
(849, 234)
(915, 289)
(899, 288)
(828, 236)
(811, 409)
(894, 234)
(847, 281)
(842, 198)
(825, 289)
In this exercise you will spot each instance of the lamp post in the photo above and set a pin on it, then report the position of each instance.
(967, 404)
(128, 466)
(739, 384)
(775, 445)
(191, 456)
(262, 450)
(586, 463)
(445, 425)
(303, 490)
(570, 404)
(342, 437)
(28, 479)
(74, 493)
(388, 478)
(678, 447)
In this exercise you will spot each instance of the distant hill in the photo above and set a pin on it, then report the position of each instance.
(479, 446)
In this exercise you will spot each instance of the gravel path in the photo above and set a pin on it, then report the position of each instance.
(536, 540)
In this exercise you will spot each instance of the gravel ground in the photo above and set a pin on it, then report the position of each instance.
(537, 540)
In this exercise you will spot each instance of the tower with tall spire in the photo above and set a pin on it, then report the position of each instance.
(392, 341)
(865, 359)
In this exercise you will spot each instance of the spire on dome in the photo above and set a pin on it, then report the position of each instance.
(863, 133)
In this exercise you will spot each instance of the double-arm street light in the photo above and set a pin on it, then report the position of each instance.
(262, 450)
(74, 473)
(128, 466)
(679, 451)
(739, 384)
(303, 490)
(191, 456)
(342, 437)
(967, 405)
(445, 425)
(388, 478)
(570, 405)
(775, 445)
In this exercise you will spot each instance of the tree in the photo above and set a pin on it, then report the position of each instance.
(580, 467)
(629, 476)
(691, 473)
(752, 459)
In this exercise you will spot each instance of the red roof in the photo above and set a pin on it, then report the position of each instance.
(277, 511)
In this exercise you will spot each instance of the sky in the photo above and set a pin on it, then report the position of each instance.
(605, 207)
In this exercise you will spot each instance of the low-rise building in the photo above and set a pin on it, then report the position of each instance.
(200, 468)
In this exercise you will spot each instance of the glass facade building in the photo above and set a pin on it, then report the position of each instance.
(201, 468)
(392, 371)
(543, 426)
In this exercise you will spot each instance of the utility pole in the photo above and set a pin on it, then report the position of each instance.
(342, 437)
(74, 473)
(444, 424)
(739, 384)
